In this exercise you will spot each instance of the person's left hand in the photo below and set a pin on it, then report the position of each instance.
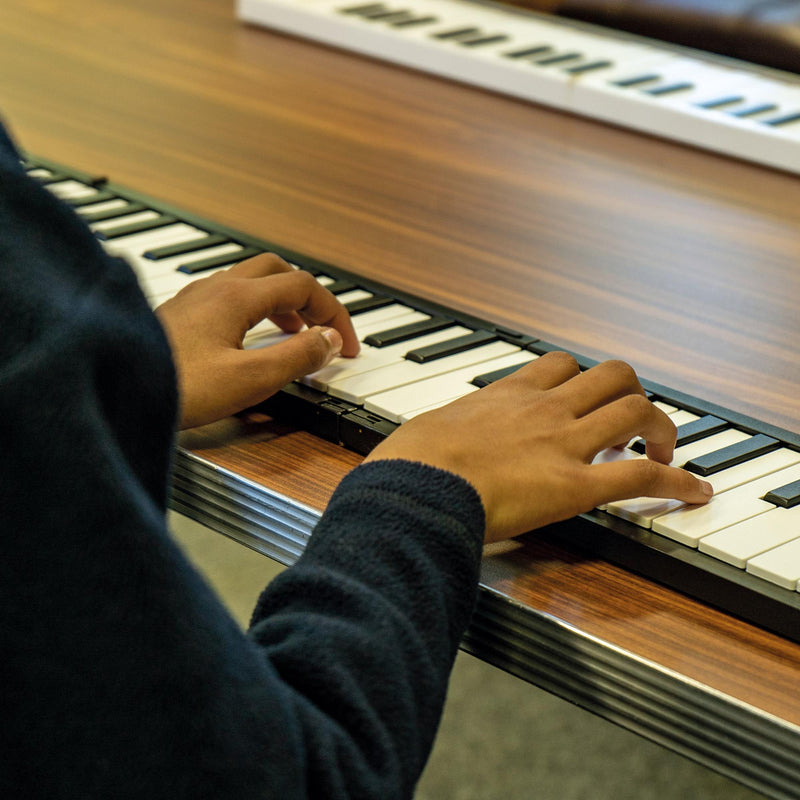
(206, 323)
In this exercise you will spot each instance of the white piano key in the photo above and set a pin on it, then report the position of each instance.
(408, 415)
(395, 403)
(709, 444)
(106, 205)
(354, 295)
(690, 524)
(130, 219)
(71, 190)
(135, 245)
(755, 468)
(665, 407)
(364, 327)
(643, 510)
(681, 417)
(359, 387)
(781, 565)
(381, 318)
(745, 540)
(371, 358)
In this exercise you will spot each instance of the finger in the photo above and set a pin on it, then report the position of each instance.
(294, 292)
(258, 267)
(599, 386)
(623, 419)
(622, 480)
(271, 368)
(547, 371)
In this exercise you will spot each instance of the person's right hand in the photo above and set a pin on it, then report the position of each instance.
(527, 442)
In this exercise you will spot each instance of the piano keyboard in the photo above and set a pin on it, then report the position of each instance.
(741, 552)
(681, 94)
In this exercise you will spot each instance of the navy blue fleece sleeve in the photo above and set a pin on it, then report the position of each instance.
(122, 674)
(386, 585)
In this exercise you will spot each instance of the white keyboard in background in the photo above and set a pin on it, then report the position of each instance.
(722, 105)
(741, 552)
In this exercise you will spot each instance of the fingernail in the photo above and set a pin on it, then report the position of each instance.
(334, 339)
(707, 488)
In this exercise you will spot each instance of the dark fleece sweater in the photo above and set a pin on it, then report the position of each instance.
(122, 675)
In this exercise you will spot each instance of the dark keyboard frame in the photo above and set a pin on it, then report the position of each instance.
(594, 533)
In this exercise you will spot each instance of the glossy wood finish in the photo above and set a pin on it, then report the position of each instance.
(606, 242)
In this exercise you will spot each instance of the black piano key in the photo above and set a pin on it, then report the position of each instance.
(784, 119)
(408, 23)
(558, 58)
(699, 429)
(726, 457)
(212, 262)
(529, 51)
(192, 246)
(113, 213)
(490, 377)
(636, 80)
(450, 347)
(403, 333)
(787, 496)
(482, 40)
(457, 33)
(387, 15)
(671, 88)
(751, 111)
(590, 66)
(691, 431)
(364, 9)
(129, 229)
(368, 304)
(719, 102)
(100, 197)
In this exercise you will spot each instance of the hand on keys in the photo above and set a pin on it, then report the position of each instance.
(527, 443)
(206, 323)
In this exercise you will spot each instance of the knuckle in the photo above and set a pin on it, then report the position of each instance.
(564, 360)
(269, 262)
(305, 280)
(622, 371)
(636, 405)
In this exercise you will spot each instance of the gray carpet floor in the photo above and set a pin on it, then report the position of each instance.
(500, 737)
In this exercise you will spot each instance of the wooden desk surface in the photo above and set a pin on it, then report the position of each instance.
(607, 242)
